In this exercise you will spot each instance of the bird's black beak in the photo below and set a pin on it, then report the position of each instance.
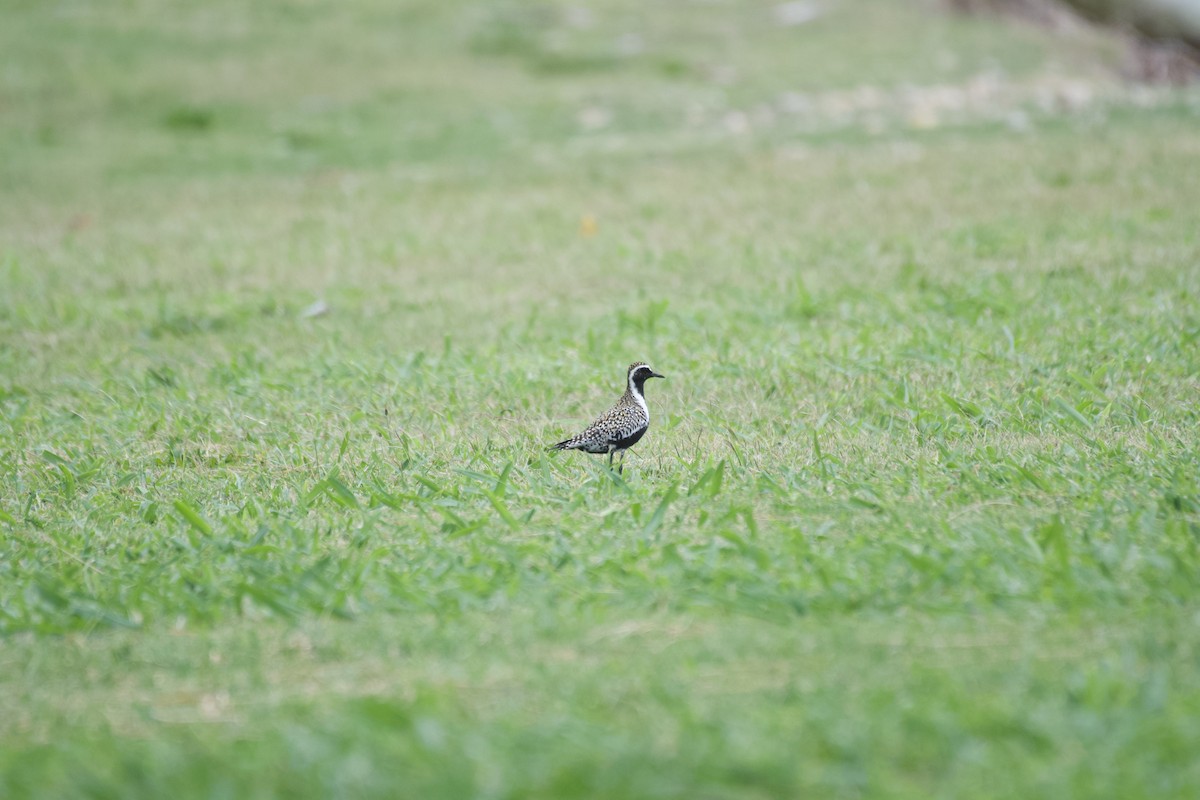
(656, 375)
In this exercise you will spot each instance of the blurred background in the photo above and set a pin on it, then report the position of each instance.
(96, 95)
(239, 138)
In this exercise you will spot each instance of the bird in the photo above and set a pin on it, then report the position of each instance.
(619, 428)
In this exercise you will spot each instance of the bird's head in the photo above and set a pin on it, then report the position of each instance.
(639, 373)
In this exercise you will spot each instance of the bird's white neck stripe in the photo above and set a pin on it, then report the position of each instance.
(641, 400)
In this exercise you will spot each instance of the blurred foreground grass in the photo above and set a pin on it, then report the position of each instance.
(294, 295)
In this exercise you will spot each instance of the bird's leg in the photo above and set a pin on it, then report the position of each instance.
(610, 454)
(621, 466)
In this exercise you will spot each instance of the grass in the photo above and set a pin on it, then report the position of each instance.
(294, 297)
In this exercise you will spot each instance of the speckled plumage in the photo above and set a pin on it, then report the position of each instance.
(619, 428)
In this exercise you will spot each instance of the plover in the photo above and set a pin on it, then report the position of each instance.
(619, 428)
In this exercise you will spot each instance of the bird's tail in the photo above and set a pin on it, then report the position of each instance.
(565, 444)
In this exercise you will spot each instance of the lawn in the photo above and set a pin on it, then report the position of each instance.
(293, 297)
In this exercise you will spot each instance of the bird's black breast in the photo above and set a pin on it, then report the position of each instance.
(630, 440)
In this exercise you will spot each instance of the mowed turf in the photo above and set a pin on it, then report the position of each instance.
(293, 297)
